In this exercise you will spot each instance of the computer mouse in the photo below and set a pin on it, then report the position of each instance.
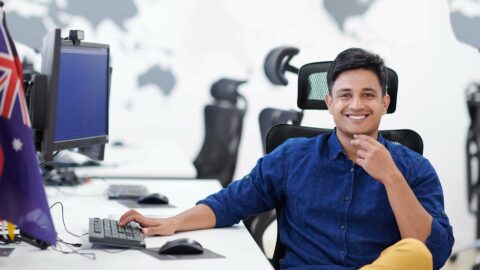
(154, 198)
(182, 246)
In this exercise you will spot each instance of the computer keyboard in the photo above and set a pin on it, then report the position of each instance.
(126, 192)
(107, 232)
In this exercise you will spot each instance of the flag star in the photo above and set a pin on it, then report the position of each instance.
(17, 144)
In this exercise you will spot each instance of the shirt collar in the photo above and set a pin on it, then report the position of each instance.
(335, 148)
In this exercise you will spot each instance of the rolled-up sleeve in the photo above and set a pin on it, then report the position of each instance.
(440, 241)
(428, 191)
(257, 192)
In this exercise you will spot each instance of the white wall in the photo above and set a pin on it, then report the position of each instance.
(204, 40)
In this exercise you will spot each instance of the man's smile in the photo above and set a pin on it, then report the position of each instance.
(357, 116)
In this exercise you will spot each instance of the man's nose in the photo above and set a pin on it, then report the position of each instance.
(356, 103)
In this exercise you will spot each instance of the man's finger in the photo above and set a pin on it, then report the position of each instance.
(126, 220)
(365, 142)
(361, 143)
(362, 154)
(360, 162)
(368, 139)
(128, 213)
(135, 216)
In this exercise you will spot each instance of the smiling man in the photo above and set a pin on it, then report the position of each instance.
(350, 199)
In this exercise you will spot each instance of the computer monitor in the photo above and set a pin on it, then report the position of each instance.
(77, 95)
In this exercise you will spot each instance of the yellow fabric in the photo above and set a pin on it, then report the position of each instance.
(11, 231)
(408, 254)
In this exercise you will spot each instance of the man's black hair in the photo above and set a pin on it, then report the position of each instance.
(356, 58)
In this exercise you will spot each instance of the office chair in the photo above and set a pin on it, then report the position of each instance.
(312, 88)
(473, 152)
(275, 65)
(270, 117)
(473, 166)
(223, 130)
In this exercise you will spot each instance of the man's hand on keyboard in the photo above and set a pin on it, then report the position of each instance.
(150, 226)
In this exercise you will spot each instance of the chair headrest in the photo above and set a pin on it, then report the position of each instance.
(313, 86)
(277, 62)
(226, 89)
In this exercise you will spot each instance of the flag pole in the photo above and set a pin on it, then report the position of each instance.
(33, 241)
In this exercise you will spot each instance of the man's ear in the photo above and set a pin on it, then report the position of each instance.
(328, 101)
(386, 102)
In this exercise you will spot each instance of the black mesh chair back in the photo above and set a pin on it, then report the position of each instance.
(223, 130)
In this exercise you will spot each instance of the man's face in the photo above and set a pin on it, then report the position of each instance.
(356, 103)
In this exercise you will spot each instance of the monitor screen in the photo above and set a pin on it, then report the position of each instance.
(82, 98)
(77, 95)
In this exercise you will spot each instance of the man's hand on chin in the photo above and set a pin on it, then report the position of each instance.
(375, 159)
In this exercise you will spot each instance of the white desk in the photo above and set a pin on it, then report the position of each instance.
(87, 201)
(142, 159)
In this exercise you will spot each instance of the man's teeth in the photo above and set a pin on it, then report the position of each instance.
(357, 117)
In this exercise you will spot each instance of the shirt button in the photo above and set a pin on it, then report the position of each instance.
(342, 227)
(342, 252)
(346, 198)
(351, 169)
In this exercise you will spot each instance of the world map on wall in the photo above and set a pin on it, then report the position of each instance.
(465, 21)
(29, 30)
(94, 12)
(341, 10)
(464, 16)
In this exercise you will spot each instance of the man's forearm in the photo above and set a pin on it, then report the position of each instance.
(412, 219)
(195, 218)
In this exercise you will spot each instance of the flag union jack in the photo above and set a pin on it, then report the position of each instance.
(11, 86)
(23, 200)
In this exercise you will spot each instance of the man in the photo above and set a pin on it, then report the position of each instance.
(349, 199)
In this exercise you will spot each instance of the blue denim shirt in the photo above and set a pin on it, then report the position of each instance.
(334, 215)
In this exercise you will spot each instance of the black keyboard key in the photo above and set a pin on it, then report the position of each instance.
(107, 232)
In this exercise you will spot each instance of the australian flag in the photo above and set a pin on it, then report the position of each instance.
(22, 195)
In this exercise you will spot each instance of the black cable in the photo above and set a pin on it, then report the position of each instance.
(45, 161)
(88, 255)
(67, 243)
(113, 251)
(63, 220)
(58, 248)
